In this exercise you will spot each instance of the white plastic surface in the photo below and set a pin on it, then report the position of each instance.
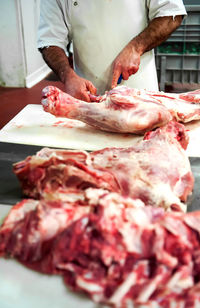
(33, 126)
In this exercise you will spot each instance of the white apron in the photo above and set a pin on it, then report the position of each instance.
(100, 30)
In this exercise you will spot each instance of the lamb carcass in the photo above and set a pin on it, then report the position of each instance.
(124, 109)
(114, 249)
(156, 170)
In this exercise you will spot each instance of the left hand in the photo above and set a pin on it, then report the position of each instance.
(126, 63)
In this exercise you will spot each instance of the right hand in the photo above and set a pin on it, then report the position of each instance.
(78, 87)
(126, 63)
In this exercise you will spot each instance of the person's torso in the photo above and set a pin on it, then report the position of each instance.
(100, 30)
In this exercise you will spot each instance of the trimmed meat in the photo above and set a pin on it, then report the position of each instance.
(156, 170)
(114, 249)
(123, 109)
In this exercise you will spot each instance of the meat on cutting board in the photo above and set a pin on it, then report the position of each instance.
(114, 249)
(156, 170)
(124, 109)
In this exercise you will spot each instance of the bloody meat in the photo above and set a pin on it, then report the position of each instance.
(113, 248)
(124, 109)
(156, 170)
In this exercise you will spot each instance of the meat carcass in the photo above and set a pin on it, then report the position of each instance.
(115, 249)
(156, 170)
(124, 109)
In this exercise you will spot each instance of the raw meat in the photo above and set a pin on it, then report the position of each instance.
(34, 223)
(156, 170)
(114, 249)
(124, 109)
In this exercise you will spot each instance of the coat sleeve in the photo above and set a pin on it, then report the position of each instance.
(160, 8)
(54, 24)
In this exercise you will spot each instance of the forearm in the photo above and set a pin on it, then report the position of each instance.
(158, 30)
(74, 85)
(58, 61)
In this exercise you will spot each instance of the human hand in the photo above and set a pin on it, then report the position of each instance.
(78, 87)
(125, 64)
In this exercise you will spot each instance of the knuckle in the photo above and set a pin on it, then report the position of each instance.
(117, 65)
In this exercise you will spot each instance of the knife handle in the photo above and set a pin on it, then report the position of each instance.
(120, 79)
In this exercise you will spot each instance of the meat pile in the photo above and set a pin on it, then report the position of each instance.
(123, 109)
(156, 170)
(115, 249)
(111, 222)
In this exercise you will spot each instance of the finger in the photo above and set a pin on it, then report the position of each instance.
(125, 75)
(133, 70)
(84, 96)
(93, 98)
(115, 77)
(91, 88)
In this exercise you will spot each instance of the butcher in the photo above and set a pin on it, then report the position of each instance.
(112, 40)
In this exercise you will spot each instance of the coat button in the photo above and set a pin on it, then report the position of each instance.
(75, 3)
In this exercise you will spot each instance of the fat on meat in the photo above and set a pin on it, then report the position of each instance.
(123, 109)
(156, 170)
(115, 249)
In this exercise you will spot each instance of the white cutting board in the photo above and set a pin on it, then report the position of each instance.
(34, 126)
(21, 287)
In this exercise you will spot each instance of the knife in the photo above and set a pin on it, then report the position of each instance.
(120, 79)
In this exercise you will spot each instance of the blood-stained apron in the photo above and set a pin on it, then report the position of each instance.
(100, 30)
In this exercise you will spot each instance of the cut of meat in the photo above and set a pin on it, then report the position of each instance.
(35, 223)
(119, 112)
(52, 171)
(184, 107)
(156, 170)
(115, 249)
(31, 224)
(124, 109)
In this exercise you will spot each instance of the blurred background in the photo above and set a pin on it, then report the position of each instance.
(21, 64)
(23, 72)
(178, 59)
